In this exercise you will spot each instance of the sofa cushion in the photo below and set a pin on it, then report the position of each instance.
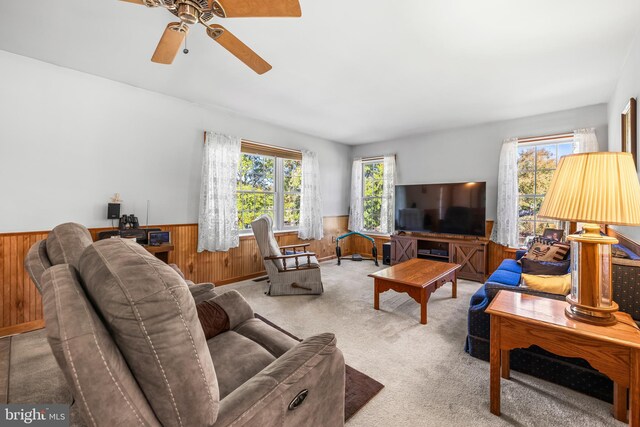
(149, 311)
(36, 262)
(550, 268)
(66, 242)
(237, 359)
(505, 277)
(92, 364)
(510, 265)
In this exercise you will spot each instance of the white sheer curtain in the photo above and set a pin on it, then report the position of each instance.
(505, 230)
(218, 218)
(387, 217)
(310, 200)
(356, 209)
(585, 141)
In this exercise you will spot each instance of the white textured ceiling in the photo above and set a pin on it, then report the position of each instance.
(353, 71)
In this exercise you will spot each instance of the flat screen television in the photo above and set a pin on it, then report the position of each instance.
(456, 208)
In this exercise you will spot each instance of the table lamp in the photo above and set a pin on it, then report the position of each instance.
(593, 188)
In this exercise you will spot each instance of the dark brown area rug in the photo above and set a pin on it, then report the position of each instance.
(359, 388)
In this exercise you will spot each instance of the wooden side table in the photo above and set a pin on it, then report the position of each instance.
(520, 320)
(161, 251)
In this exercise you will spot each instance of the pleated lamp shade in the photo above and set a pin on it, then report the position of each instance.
(598, 188)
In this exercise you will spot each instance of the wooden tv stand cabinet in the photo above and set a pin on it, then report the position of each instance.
(470, 253)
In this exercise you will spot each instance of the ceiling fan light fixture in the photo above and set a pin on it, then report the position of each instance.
(188, 13)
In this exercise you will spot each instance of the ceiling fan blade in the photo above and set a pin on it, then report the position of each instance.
(238, 49)
(135, 1)
(170, 42)
(255, 8)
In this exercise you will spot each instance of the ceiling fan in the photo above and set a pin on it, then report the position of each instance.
(203, 11)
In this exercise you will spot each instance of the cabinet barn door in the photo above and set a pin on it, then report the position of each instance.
(404, 249)
(472, 260)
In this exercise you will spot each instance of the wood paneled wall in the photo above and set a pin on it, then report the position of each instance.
(498, 253)
(21, 304)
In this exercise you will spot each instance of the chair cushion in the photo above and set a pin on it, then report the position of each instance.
(151, 315)
(66, 242)
(237, 359)
(36, 262)
(504, 277)
(92, 364)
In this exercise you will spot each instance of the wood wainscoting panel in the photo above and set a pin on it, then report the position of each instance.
(21, 304)
(358, 245)
(498, 253)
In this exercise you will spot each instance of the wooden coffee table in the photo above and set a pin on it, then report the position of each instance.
(417, 277)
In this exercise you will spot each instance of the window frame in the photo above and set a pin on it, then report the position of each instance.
(279, 155)
(555, 142)
(365, 198)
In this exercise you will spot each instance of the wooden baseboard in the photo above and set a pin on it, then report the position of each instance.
(21, 328)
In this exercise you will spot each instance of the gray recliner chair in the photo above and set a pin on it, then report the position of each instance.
(127, 334)
(64, 245)
(290, 272)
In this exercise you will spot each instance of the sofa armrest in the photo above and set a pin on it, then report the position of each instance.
(492, 290)
(202, 291)
(316, 366)
(236, 307)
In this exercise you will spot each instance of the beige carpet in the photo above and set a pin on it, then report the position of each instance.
(429, 380)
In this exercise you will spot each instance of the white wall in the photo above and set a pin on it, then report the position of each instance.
(628, 87)
(69, 140)
(473, 153)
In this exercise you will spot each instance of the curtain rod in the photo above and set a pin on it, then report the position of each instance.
(567, 135)
(262, 144)
(366, 159)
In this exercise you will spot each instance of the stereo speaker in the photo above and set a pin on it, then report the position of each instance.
(386, 253)
(113, 211)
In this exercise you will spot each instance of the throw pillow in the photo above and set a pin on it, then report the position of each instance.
(560, 285)
(550, 268)
(213, 318)
(542, 252)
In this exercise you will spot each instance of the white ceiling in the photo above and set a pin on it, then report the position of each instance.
(353, 71)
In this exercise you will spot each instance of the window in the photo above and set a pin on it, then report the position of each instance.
(536, 165)
(372, 184)
(268, 184)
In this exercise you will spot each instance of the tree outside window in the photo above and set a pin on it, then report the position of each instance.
(536, 165)
(372, 182)
(268, 185)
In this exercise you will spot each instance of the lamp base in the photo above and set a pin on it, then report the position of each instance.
(592, 315)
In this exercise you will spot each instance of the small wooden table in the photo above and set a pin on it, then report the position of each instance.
(417, 277)
(520, 320)
(160, 251)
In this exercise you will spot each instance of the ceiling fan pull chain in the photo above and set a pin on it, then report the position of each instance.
(185, 51)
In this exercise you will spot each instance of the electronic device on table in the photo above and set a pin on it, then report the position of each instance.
(456, 208)
(157, 238)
